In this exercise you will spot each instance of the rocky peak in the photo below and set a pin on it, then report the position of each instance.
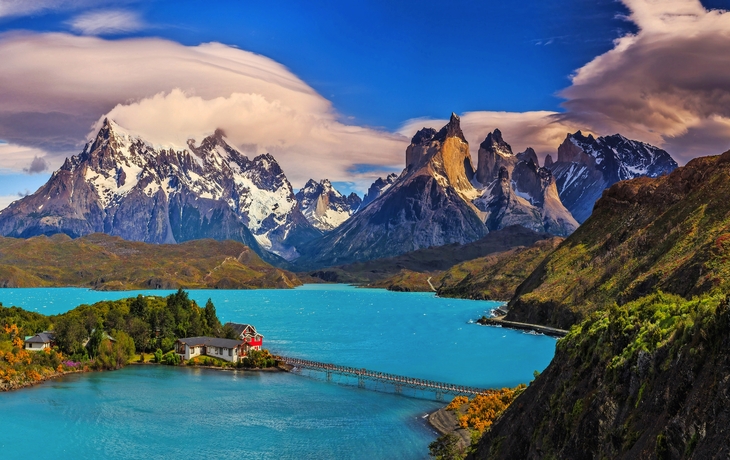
(549, 161)
(452, 129)
(378, 188)
(325, 207)
(528, 155)
(444, 156)
(532, 180)
(427, 143)
(423, 136)
(494, 153)
(571, 150)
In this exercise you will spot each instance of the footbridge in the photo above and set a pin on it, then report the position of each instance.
(398, 381)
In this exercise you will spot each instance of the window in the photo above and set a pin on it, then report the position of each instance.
(230, 352)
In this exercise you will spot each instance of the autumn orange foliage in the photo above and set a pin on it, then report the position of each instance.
(484, 409)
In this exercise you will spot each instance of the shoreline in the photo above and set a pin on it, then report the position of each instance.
(498, 321)
(7, 387)
(445, 422)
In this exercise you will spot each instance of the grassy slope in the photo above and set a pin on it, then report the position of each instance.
(106, 262)
(493, 277)
(430, 260)
(670, 234)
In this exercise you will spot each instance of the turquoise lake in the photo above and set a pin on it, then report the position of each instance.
(162, 412)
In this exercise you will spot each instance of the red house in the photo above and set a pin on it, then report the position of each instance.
(252, 340)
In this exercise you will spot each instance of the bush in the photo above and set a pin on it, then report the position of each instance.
(172, 359)
(158, 356)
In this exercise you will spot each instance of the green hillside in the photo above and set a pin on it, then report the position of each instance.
(106, 262)
(670, 234)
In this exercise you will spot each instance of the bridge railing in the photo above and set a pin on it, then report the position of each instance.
(362, 373)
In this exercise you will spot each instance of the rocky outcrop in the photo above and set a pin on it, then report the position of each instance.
(494, 154)
(538, 186)
(522, 194)
(124, 186)
(586, 166)
(528, 155)
(324, 207)
(378, 188)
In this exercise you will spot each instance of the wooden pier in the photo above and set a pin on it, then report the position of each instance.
(398, 381)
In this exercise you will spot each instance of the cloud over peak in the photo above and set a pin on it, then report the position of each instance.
(54, 87)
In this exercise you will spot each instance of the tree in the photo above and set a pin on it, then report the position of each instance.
(114, 355)
(211, 320)
(97, 336)
(70, 333)
(139, 330)
(138, 307)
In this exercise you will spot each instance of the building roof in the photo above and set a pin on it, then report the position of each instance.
(239, 328)
(210, 342)
(42, 337)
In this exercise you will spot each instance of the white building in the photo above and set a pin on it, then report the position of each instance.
(40, 341)
(226, 349)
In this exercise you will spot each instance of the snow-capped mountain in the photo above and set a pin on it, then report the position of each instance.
(377, 188)
(324, 207)
(586, 166)
(438, 200)
(122, 185)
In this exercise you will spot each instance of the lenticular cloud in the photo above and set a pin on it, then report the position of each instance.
(53, 87)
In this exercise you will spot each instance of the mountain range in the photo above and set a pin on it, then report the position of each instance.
(586, 166)
(123, 185)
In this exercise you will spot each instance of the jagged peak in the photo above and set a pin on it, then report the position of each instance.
(495, 141)
(549, 160)
(424, 135)
(451, 129)
(528, 155)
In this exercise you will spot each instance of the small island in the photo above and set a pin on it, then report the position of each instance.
(108, 335)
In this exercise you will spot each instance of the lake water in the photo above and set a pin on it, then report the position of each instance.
(160, 412)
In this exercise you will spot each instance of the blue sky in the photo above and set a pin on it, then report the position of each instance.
(373, 66)
(384, 62)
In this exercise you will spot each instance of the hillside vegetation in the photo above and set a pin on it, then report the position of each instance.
(493, 277)
(647, 380)
(671, 234)
(106, 262)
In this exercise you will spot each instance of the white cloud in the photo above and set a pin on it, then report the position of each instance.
(308, 144)
(669, 84)
(53, 87)
(109, 22)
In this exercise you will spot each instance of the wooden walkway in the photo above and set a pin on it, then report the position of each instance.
(398, 381)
